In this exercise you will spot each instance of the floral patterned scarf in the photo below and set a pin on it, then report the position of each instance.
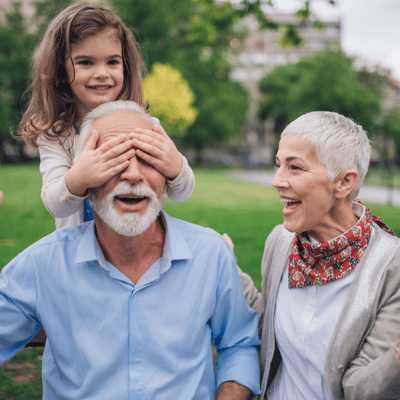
(316, 264)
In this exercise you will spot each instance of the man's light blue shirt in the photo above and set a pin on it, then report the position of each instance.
(110, 339)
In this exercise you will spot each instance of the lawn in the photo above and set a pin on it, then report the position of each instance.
(247, 212)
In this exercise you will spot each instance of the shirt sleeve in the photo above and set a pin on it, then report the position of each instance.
(181, 188)
(19, 323)
(252, 295)
(55, 162)
(235, 329)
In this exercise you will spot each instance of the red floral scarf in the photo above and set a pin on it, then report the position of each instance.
(316, 264)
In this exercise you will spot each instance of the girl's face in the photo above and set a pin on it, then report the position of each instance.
(95, 70)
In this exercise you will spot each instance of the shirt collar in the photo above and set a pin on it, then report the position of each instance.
(89, 248)
(175, 246)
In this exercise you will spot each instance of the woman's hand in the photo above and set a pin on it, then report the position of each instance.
(229, 240)
(1, 196)
(96, 166)
(156, 148)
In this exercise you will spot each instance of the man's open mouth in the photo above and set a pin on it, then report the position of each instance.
(130, 200)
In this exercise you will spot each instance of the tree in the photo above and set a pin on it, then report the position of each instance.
(16, 46)
(194, 38)
(171, 98)
(327, 82)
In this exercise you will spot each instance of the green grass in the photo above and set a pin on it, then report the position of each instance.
(247, 212)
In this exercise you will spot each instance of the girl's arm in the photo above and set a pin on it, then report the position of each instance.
(181, 188)
(55, 162)
(156, 148)
(65, 184)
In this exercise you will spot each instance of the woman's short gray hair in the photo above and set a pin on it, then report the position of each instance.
(100, 111)
(340, 143)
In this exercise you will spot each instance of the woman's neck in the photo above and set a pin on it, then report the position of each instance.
(340, 219)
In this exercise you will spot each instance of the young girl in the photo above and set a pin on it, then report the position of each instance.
(88, 57)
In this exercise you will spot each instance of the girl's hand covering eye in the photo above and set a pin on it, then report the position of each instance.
(96, 166)
(156, 148)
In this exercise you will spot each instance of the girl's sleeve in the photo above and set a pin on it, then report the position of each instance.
(55, 162)
(181, 188)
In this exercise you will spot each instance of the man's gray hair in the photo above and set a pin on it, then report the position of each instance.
(340, 143)
(100, 111)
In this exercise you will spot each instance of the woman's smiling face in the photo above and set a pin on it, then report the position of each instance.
(305, 188)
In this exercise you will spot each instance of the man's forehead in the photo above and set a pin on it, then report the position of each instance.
(120, 122)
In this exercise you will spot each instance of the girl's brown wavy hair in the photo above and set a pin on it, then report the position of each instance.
(51, 110)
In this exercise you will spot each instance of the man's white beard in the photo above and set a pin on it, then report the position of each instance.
(128, 223)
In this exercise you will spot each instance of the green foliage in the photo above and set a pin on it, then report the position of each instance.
(170, 98)
(46, 10)
(327, 82)
(193, 38)
(16, 46)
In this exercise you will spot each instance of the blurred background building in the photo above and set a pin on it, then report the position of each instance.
(255, 53)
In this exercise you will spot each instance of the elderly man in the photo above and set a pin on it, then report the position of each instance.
(131, 301)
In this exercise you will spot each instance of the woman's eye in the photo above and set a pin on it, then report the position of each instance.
(277, 165)
(295, 167)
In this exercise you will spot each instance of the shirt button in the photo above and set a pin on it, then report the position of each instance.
(341, 368)
(314, 369)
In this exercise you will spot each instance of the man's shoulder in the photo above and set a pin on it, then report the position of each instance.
(60, 237)
(196, 235)
(191, 228)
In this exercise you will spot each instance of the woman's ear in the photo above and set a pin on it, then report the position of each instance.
(345, 183)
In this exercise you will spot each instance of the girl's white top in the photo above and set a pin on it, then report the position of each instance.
(55, 162)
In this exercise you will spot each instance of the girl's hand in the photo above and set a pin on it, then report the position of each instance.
(156, 148)
(1, 196)
(96, 166)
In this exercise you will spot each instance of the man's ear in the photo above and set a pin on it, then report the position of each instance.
(345, 183)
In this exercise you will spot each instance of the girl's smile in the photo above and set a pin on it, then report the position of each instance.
(95, 71)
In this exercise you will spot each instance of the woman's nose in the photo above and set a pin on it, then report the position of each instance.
(280, 180)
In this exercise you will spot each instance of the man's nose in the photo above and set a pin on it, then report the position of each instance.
(133, 173)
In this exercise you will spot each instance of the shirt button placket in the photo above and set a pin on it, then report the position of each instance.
(135, 356)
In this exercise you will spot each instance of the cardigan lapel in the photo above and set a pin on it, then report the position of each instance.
(278, 265)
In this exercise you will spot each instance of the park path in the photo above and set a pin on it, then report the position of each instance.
(368, 193)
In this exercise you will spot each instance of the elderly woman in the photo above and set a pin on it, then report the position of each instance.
(330, 301)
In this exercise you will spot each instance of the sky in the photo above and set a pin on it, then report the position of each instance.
(370, 28)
